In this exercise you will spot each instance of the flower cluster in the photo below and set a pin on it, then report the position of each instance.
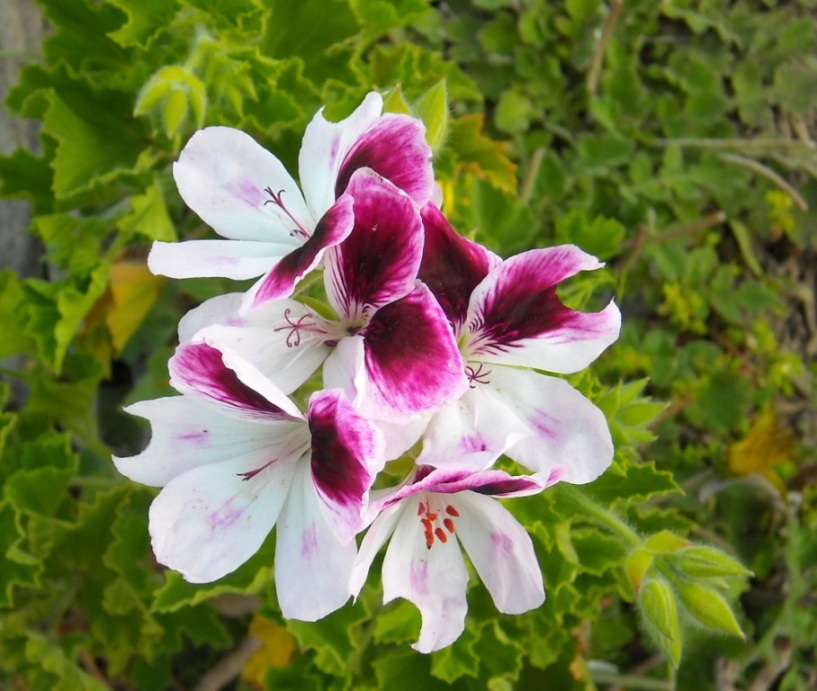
(425, 341)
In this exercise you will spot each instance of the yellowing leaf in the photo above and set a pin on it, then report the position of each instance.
(133, 290)
(766, 445)
(479, 154)
(277, 649)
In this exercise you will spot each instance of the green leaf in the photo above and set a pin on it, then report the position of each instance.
(602, 238)
(599, 153)
(17, 568)
(632, 483)
(48, 466)
(149, 216)
(47, 656)
(399, 622)
(432, 109)
(333, 641)
(457, 660)
(254, 576)
(145, 19)
(97, 139)
(13, 339)
(54, 311)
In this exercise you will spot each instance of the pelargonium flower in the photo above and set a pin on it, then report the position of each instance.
(236, 457)
(509, 322)
(390, 349)
(427, 518)
(246, 195)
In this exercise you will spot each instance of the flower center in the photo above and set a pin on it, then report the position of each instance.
(306, 322)
(436, 523)
(477, 376)
(299, 231)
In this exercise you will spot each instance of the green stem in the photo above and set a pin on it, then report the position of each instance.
(602, 515)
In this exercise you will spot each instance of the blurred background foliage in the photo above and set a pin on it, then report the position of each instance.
(674, 139)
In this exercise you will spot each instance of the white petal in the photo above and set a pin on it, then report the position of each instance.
(236, 259)
(312, 567)
(209, 521)
(501, 551)
(568, 435)
(345, 369)
(471, 432)
(433, 579)
(186, 435)
(222, 174)
(377, 535)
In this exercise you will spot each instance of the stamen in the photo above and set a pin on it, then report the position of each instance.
(476, 376)
(299, 230)
(294, 335)
(430, 518)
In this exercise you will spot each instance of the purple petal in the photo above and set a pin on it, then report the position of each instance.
(515, 317)
(211, 376)
(280, 281)
(233, 183)
(378, 261)
(347, 452)
(495, 483)
(452, 266)
(394, 147)
(412, 362)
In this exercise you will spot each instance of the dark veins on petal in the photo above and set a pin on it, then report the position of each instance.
(394, 147)
(516, 309)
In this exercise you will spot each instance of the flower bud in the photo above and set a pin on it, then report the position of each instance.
(707, 607)
(660, 611)
(708, 562)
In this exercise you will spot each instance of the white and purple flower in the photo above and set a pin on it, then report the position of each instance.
(246, 195)
(236, 457)
(425, 335)
(509, 322)
(428, 518)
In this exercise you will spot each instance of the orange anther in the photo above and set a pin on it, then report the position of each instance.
(429, 539)
(451, 511)
(421, 509)
(441, 536)
(431, 516)
(426, 524)
(449, 524)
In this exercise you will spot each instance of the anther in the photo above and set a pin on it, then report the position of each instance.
(451, 511)
(441, 536)
(476, 376)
